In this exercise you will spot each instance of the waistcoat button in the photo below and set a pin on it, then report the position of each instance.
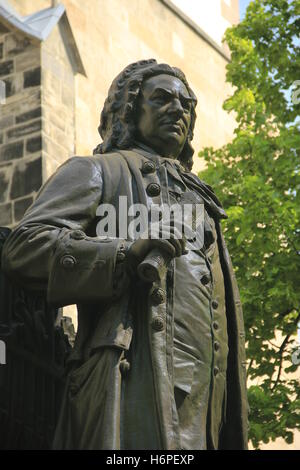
(120, 256)
(73, 388)
(216, 370)
(153, 189)
(205, 279)
(216, 346)
(158, 296)
(158, 323)
(68, 261)
(148, 167)
(215, 325)
(77, 235)
(215, 304)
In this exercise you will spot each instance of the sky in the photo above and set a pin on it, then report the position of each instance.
(243, 6)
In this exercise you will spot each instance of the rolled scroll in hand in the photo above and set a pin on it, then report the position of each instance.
(154, 266)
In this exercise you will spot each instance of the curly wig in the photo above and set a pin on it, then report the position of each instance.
(117, 122)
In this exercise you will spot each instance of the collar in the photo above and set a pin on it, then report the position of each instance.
(212, 203)
(148, 152)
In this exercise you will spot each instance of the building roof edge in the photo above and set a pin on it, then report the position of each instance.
(39, 26)
(189, 22)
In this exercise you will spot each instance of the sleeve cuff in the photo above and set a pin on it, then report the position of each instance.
(86, 269)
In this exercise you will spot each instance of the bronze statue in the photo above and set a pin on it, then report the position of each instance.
(157, 364)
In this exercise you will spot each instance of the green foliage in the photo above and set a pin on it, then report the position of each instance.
(257, 179)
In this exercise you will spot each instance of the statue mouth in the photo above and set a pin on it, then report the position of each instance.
(176, 126)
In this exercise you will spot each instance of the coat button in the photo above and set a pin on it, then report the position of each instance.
(121, 256)
(77, 235)
(148, 167)
(68, 261)
(216, 370)
(124, 367)
(215, 325)
(73, 388)
(205, 279)
(215, 304)
(153, 189)
(158, 296)
(158, 323)
(216, 346)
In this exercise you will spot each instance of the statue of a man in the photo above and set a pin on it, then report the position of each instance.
(156, 365)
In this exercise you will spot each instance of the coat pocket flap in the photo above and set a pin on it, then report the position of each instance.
(184, 365)
(114, 327)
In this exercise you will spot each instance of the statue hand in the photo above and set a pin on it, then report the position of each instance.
(169, 239)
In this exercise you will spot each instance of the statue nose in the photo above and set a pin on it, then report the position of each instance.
(176, 108)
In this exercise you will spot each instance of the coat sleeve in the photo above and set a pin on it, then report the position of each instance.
(49, 250)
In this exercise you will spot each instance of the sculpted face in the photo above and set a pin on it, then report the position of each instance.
(164, 114)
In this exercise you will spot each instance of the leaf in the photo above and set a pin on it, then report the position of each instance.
(257, 178)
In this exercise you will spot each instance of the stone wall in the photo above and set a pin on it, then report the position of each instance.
(58, 103)
(20, 125)
(111, 34)
(37, 121)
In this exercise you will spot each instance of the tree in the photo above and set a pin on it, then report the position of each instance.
(257, 178)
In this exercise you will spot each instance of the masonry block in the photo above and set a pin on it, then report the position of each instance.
(28, 60)
(67, 97)
(6, 68)
(20, 206)
(29, 115)
(9, 86)
(11, 151)
(24, 130)
(3, 29)
(32, 77)
(6, 121)
(19, 104)
(34, 144)
(27, 178)
(5, 214)
(4, 183)
(16, 44)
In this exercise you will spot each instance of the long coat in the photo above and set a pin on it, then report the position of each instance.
(120, 388)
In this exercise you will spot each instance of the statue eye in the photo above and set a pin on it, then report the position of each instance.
(186, 104)
(161, 99)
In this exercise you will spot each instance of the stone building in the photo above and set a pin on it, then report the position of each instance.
(39, 60)
(58, 60)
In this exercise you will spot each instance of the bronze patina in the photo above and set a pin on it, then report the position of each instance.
(159, 364)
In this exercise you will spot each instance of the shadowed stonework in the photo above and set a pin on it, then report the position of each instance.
(37, 120)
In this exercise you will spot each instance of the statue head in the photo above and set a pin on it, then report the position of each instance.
(127, 109)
